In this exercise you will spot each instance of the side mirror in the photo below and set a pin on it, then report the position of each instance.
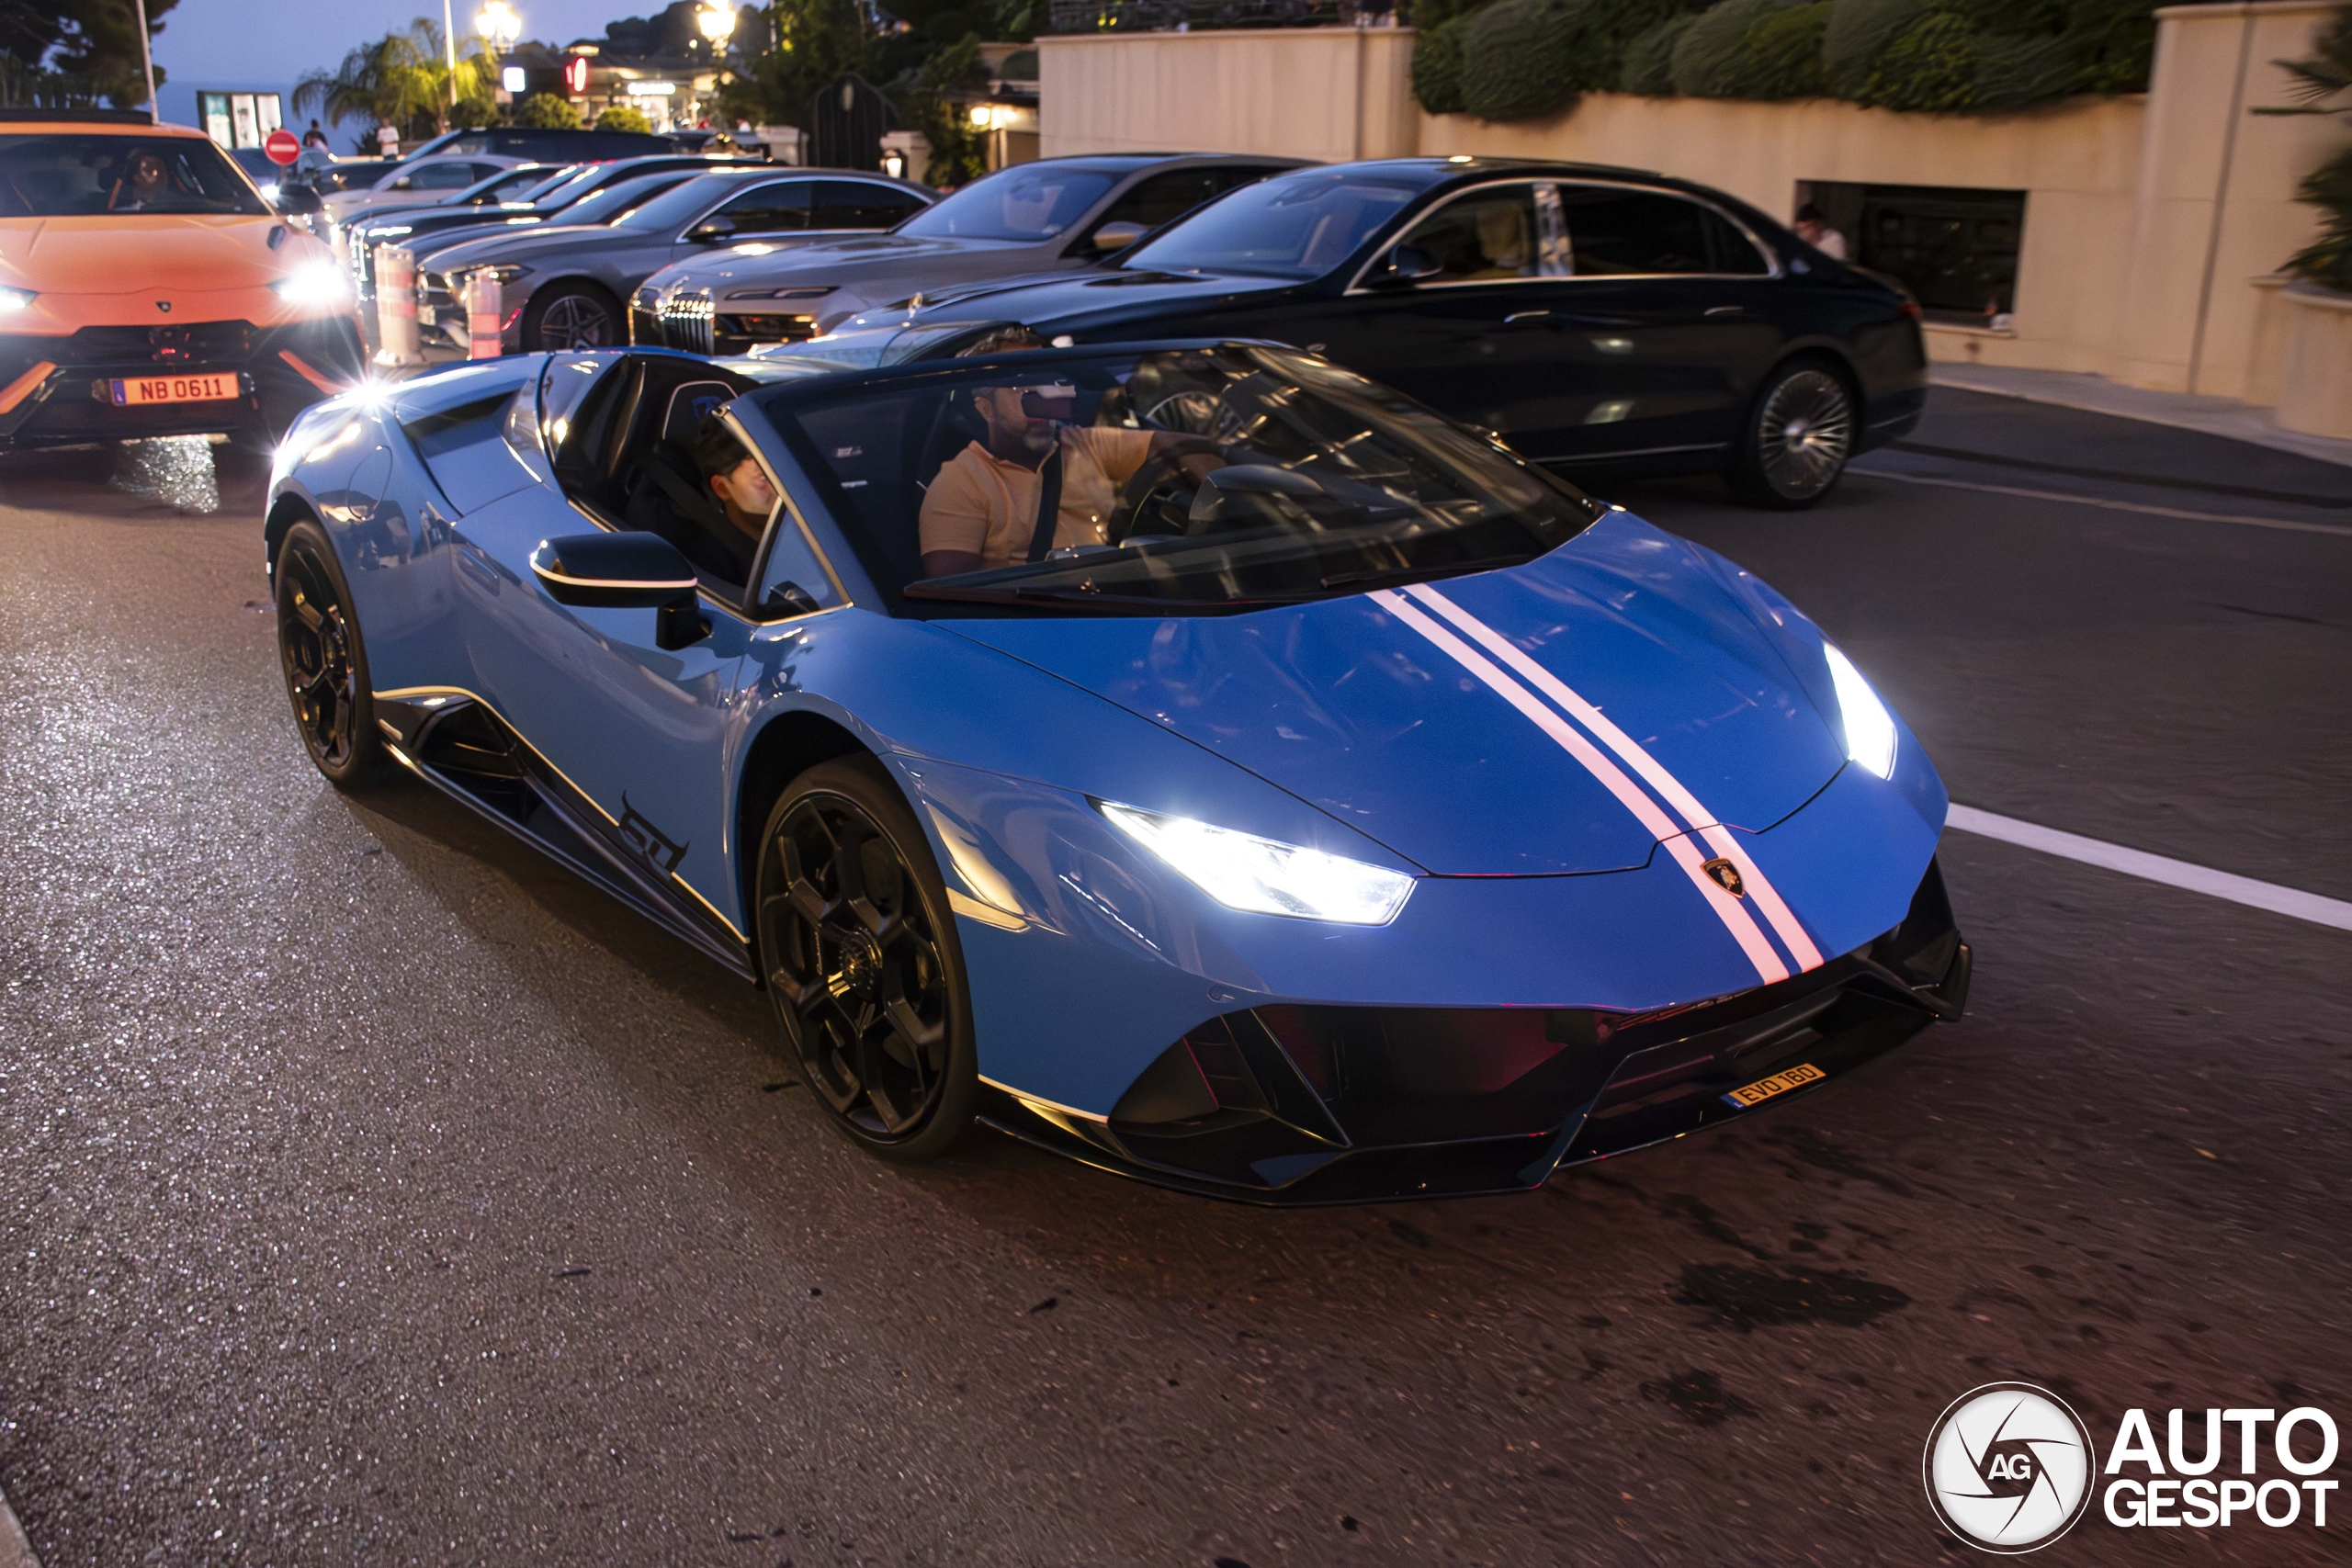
(1112, 237)
(624, 571)
(1406, 264)
(299, 201)
(711, 230)
(403, 183)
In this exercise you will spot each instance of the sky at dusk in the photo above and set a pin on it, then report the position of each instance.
(266, 44)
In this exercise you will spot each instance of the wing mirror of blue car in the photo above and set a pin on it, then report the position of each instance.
(625, 571)
(1407, 264)
(710, 230)
(1116, 236)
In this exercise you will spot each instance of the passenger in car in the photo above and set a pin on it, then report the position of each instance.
(744, 495)
(146, 182)
(985, 507)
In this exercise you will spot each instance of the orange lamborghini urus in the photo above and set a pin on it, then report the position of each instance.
(147, 290)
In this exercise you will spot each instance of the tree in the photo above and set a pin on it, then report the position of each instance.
(403, 77)
(810, 45)
(959, 153)
(620, 116)
(545, 111)
(85, 48)
(2323, 86)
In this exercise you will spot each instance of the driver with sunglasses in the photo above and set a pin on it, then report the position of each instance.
(986, 507)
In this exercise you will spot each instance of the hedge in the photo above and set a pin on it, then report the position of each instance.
(1504, 59)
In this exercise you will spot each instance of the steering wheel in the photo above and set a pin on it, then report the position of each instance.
(1143, 499)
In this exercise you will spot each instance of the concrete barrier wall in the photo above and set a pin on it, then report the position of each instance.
(2147, 217)
(1329, 93)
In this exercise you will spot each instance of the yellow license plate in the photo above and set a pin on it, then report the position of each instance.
(1763, 1090)
(176, 389)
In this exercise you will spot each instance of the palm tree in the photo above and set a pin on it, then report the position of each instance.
(402, 77)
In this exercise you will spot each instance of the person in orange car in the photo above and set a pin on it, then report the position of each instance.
(147, 290)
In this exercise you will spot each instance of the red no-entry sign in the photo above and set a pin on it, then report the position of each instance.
(281, 146)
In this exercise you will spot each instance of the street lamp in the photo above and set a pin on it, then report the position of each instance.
(717, 20)
(500, 25)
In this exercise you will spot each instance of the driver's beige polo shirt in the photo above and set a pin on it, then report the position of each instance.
(979, 503)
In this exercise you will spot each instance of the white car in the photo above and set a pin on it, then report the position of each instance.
(417, 183)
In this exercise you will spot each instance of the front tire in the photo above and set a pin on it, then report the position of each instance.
(573, 316)
(1797, 438)
(861, 957)
(324, 662)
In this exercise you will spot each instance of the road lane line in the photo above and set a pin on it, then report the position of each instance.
(2289, 901)
(2141, 506)
(16, 1551)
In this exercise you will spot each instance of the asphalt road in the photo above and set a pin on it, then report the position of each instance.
(371, 1193)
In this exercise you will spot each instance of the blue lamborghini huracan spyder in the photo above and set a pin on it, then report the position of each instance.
(1191, 757)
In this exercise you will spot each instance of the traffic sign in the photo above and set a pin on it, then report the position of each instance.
(281, 146)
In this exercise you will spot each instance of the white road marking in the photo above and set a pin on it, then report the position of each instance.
(2289, 901)
(1735, 920)
(1645, 767)
(16, 1551)
(2242, 522)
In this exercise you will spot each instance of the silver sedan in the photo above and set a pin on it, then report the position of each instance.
(562, 285)
(1041, 217)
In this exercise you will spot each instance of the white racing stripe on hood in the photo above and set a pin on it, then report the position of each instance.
(1670, 789)
(1735, 917)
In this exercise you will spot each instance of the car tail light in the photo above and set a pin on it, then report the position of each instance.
(1911, 309)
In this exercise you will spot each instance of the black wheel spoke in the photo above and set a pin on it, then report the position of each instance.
(854, 967)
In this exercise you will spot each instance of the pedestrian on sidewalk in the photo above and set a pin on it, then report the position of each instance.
(1812, 227)
(387, 139)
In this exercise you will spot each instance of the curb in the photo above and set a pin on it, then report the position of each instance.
(2224, 417)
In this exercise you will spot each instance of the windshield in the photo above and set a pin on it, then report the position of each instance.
(677, 207)
(1035, 201)
(81, 176)
(1299, 225)
(1187, 479)
(605, 204)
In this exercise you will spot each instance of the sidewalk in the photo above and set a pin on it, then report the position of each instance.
(2215, 416)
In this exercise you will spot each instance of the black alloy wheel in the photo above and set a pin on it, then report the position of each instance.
(572, 317)
(861, 956)
(324, 662)
(1799, 438)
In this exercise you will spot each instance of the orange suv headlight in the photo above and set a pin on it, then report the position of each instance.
(315, 285)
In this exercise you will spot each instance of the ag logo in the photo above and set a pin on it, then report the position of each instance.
(2009, 1467)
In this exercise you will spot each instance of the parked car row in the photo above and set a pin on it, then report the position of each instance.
(1594, 318)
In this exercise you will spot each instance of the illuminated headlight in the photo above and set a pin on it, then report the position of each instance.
(15, 300)
(391, 231)
(805, 293)
(1243, 872)
(502, 276)
(1870, 728)
(314, 285)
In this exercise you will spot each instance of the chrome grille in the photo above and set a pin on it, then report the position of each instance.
(686, 321)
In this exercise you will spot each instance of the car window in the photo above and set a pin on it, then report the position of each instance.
(1163, 198)
(510, 186)
(1031, 201)
(861, 204)
(439, 177)
(1188, 478)
(678, 207)
(1298, 225)
(1613, 230)
(71, 176)
(1483, 237)
(608, 203)
(778, 209)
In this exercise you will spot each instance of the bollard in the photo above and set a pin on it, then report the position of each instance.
(396, 306)
(485, 304)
